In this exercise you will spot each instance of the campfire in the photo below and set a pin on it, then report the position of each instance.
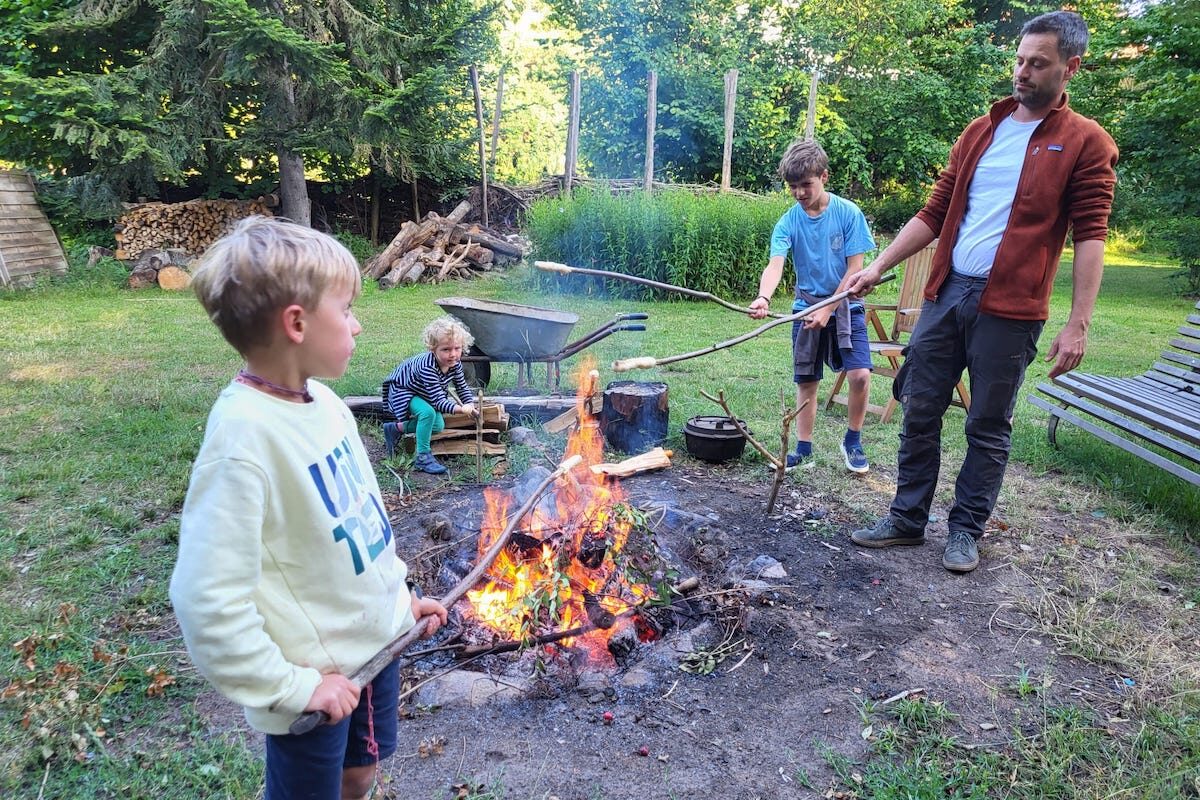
(573, 572)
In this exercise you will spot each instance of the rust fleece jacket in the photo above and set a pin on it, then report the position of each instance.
(1067, 180)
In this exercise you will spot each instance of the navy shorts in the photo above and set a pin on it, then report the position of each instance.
(857, 356)
(310, 766)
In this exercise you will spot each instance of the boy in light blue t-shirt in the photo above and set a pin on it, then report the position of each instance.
(827, 236)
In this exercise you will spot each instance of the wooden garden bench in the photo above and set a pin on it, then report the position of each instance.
(1161, 406)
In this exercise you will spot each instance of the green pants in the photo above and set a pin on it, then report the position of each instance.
(423, 420)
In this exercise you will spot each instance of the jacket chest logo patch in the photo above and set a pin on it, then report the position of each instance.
(1055, 148)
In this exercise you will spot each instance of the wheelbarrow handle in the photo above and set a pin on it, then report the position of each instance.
(629, 328)
(638, 315)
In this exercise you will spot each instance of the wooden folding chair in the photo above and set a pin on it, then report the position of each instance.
(888, 344)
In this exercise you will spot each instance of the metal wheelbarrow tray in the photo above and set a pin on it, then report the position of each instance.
(511, 332)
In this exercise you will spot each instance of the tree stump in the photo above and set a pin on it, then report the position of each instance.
(634, 415)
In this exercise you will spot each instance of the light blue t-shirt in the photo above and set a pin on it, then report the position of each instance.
(990, 198)
(820, 245)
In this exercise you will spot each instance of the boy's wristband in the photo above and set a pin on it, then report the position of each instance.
(763, 297)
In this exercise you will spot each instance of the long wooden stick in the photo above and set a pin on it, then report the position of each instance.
(479, 437)
(367, 672)
(646, 362)
(553, 266)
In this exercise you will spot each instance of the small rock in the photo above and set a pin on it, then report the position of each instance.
(523, 436)
(766, 567)
(438, 527)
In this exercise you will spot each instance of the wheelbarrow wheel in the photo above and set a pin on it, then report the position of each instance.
(478, 373)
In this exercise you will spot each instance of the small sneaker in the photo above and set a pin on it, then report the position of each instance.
(856, 459)
(962, 554)
(797, 461)
(884, 533)
(427, 463)
(391, 437)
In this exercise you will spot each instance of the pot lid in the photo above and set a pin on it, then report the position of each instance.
(713, 425)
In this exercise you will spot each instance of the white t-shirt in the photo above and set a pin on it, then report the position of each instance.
(286, 567)
(990, 197)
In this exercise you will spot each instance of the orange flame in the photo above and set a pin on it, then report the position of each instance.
(535, 590)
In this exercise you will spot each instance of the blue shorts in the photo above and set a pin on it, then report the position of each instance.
(310, 766)
(857, 356)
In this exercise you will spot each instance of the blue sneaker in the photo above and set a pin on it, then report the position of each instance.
(801, 462)
(427, 463)
(391, 437)
(856, 459)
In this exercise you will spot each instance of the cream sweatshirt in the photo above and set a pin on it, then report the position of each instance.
(286, 566)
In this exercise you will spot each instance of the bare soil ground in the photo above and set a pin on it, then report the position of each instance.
(844, 629)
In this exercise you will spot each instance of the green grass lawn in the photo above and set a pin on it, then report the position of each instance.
(103, 398)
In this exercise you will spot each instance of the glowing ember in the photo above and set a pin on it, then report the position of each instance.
(571, 570)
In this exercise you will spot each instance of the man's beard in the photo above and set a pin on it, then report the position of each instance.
(1035, 98)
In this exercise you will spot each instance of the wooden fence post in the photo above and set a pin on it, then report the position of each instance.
(731, 78)
(572, 133)
(483, 180)
(496, 120)
(811, 122)
(651, 122)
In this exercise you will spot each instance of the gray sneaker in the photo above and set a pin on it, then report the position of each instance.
(884, 533)
(962, 555)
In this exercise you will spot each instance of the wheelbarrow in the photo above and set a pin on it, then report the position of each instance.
(525, 335)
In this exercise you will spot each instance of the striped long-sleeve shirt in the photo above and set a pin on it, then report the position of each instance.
(419, 376)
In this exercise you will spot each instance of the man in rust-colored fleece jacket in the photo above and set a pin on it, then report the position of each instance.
(1018, 178)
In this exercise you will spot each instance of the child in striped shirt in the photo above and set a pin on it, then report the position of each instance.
(417, 390)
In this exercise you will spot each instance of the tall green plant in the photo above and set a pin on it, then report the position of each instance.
(707, 242)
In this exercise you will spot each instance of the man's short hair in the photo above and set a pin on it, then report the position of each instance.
(447, 328)
(264, 265)
(804, 159)
(1068, 26)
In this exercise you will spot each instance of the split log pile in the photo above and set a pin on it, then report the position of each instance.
(190, 226)
(459, 436)
(441, 248)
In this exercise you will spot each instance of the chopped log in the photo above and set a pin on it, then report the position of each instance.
(399, 267)
(143, 277)
(489, 435)
(658, 458)
(466, 447)
(414, 273)
(494, 416)
(495, 243)
(634, 415)
(174, 279)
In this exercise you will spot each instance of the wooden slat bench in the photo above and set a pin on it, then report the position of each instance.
(1161, 406)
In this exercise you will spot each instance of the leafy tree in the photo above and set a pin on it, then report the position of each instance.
(245, 90)
(895, 88)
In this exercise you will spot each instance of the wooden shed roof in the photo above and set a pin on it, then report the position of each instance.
(28, 245)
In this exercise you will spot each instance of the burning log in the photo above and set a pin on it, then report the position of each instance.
(597, 614)
(367, 672)
(624, 639)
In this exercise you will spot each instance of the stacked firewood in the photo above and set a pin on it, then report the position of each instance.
(191, 226)
(440, 248)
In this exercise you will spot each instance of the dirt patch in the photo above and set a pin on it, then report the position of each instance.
(845, 629)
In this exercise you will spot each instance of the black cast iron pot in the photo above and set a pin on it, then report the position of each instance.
(714, 439)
